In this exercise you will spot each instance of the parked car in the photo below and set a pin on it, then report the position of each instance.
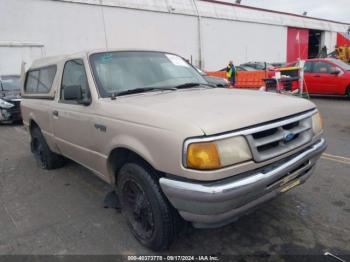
(10, 99)
(240, 68)
(259, 65)
(327, 76)
(245, 68)
(175, 148)
(278, 64)
(214, 80)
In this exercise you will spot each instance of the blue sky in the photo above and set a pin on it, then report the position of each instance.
(328, 9)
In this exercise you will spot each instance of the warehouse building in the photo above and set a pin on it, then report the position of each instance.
(207, 32)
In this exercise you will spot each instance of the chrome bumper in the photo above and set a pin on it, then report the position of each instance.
(218, 203)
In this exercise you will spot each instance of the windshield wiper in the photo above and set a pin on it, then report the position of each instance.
(190, 85)
(149, 89)
(143, 90)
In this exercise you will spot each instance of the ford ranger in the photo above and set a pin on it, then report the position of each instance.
(174, 147)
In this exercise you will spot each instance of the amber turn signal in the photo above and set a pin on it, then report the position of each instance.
(203, 156)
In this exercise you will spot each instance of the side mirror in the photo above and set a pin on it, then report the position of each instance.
(335, 71)
(72, 93)
(84, 102)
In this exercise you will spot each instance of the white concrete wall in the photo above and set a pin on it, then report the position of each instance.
(127, 28)
(66, 26)
(11, 57)
(330, 40)
(225, 40)
(60, 27)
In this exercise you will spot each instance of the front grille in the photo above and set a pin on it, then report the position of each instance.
(279, 139)
(17, 104)
(16, 108)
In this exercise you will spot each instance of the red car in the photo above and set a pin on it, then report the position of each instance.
(327, 76)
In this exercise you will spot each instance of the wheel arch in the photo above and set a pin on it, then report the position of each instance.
(347, 90)
(32, 125)
(122, 155)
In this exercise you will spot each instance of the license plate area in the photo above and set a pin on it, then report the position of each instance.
(289, 186)
(291, 176)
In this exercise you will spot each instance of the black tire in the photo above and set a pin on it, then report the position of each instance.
(150, 217)
(348, 92)
(45, 157)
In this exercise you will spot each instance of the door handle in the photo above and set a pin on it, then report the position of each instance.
(102, 128)
(55, 113)
(317, 76)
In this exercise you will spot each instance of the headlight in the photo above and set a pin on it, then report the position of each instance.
(317, 123)
(218, 154)
(5, 104)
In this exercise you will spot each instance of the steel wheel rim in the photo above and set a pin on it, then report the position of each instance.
(138, 210)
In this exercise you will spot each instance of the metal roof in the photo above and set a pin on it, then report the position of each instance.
(47, 61)
(222, 10)
(273, 11)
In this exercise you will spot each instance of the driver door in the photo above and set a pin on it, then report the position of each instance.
(309, 80)
(73, 121)
(323, 81)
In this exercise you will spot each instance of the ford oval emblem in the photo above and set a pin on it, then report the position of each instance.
(287, 137)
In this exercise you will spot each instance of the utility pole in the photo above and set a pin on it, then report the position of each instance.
(104, 23)
(199, 28)
(301, 76)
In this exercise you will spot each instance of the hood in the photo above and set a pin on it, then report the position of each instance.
(213, 110)
(10, 95)
(216, 80)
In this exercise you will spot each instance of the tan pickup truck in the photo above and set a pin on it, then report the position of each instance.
(175, 148)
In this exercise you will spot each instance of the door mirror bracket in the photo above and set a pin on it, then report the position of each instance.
(84, 102)
(335, 72)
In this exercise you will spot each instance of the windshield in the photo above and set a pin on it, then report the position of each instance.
(341, 64)
(10, 83)
(201, 72)
(257, 65)
(116, 72)
(248, 68)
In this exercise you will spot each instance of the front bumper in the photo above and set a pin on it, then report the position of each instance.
(218, 203)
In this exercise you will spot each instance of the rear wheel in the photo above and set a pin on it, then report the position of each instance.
(348, 92)
(45, 157)
(150, 217)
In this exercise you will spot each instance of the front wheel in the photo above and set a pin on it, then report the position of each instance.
(149, 215)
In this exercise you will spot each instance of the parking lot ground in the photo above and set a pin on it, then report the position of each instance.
(61, 211)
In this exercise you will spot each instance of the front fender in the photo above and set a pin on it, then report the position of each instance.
(133, 144)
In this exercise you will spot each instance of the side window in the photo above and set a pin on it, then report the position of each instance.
(307, 67)
(40, 81)
(32, 81)
(74, 78)
(322, 68)
(46, 78)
